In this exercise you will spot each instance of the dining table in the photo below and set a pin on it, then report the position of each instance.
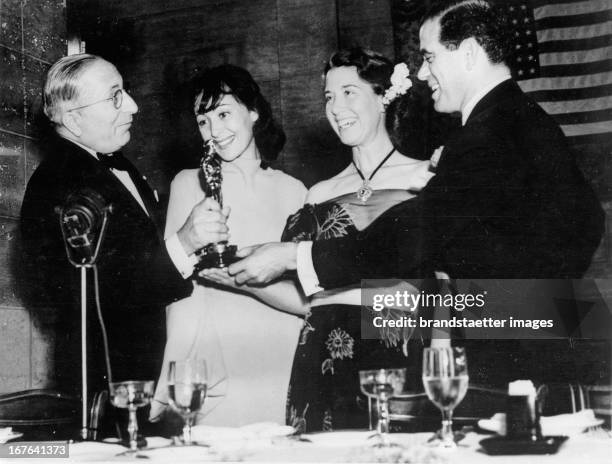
(333, 447)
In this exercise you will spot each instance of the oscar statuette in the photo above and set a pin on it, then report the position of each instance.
(220, 254)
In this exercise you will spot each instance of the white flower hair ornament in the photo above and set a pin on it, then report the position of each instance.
(400, 83)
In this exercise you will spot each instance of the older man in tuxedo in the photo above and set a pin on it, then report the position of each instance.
(92, 114)
(507, 201)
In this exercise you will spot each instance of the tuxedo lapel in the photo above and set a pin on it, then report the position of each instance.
(145, 191)
(497, 95)
(93, 174)
(461, 140)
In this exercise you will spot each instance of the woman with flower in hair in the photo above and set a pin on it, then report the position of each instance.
(366, 99)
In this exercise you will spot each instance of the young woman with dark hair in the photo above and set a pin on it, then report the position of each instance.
(213, 85)
(247, 334)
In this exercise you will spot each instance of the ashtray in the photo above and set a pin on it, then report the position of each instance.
(504, 445)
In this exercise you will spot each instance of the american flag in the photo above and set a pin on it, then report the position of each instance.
(564, 61)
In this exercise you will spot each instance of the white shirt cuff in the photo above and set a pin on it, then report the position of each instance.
(183, 262)
(305, 269)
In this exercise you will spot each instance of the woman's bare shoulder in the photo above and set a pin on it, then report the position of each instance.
(186, 175)
(326, 189)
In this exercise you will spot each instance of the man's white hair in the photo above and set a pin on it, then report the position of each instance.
(62, 85)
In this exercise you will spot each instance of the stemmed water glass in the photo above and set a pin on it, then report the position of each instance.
(445, 378)
(131, 395)
(382, 385)
(187, 385)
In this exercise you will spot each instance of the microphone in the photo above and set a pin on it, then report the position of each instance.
(83, 218)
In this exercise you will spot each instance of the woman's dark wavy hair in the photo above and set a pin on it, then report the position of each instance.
(228, 79)
(401, 119)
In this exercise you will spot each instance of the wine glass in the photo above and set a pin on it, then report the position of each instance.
(131, 395)
(382, 385)
(445, 378)
(187, 385)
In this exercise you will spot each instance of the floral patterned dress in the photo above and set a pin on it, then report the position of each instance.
(324, 391)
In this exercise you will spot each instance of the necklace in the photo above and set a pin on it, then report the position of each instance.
(365, 191)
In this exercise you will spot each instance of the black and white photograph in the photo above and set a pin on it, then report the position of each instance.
(306, 230)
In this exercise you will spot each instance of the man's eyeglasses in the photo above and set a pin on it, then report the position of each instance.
(117, 99)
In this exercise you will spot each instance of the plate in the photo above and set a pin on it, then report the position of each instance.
(503, 445)
(10, 436)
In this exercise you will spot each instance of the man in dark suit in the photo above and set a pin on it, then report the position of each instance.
(507, 200)
(92, 114)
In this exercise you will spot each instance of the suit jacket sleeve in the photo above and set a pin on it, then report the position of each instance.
(373, 253)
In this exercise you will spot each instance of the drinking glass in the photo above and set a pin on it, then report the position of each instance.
(187, 385)
(445, 378)
(131, 395)
(382, 385)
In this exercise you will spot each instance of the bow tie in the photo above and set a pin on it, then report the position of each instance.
(114, 161)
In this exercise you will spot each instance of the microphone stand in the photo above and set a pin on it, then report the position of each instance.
(73, 242)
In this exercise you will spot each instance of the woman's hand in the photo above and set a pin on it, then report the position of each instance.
(205, 224)
(261, 264)
(284, 295)
(218, 276)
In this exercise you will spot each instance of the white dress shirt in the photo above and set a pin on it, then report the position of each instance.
(123, 177)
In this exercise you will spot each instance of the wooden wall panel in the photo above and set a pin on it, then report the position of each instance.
(307, 36)
(32, 36)
(11, 91)
(366, 23)
(136, 8)
(158, 45)
(12, 174)
(11, 30)
(9, 293)
(14, 350)
(44, 25)
(302, 100)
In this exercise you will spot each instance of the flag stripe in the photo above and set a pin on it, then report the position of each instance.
(576, 69)
(575, 57)
(584, 118)
(577, 106)
(571, 94)
(603, 138)
(563, 61)
(573, 33)
(586, 129)
(566, 82)
(544, 8)
(552, 22)
(577, 44)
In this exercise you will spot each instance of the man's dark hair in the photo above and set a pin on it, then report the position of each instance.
(480, 19)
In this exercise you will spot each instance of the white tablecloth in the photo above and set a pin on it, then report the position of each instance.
(337, 447)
